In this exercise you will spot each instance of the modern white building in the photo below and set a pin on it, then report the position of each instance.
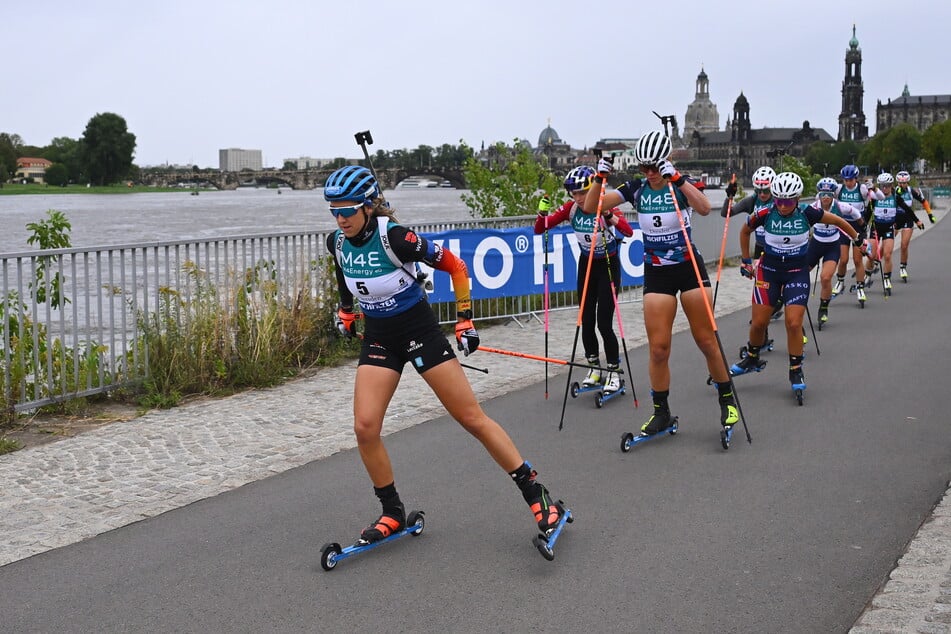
(235, 160)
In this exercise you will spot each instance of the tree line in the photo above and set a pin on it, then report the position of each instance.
(101, 156)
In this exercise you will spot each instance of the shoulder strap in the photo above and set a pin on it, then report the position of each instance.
(410, 268)
(338, 245)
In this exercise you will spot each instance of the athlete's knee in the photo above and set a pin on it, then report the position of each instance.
(366, 430)
(473, 419)
(660, 352)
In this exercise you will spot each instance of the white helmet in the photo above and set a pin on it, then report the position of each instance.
(885, 179)
(786, 185)
(763, 177)
(903, 177)
(826, 185)
(652, 148)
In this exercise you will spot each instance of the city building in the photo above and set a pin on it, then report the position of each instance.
(702, 116)
(308, 162)
(235, 160)
(740, 149)
(852, 125)
(920, 111)
(32, 168)
(554, 152)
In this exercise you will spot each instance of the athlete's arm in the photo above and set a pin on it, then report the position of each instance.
(905, 207)
(552, 219)
(618, 221)
(744, 206)
(697, 200)
(612, 197)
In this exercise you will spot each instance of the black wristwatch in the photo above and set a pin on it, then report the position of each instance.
(858, 241)
(465, 314)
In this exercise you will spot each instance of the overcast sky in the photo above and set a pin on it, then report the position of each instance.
(299, 77)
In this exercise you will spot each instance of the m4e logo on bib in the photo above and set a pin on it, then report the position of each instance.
(785, 227)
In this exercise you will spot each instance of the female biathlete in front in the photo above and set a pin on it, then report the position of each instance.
(783, 271)
(374, 259)
(668, 270)
(598, 309)
(856, 195)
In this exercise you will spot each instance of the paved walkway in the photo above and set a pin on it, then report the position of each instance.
(61, 493)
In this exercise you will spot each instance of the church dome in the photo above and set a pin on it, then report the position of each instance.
(548, 137)
(854, 42)
(741, 101)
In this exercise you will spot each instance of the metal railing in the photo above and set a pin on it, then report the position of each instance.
(73, 320)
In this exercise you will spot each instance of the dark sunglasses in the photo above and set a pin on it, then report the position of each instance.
(785, 202)
(647, 168)
(346, 212)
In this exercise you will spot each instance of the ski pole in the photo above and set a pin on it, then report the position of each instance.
(726, 226)
(363, 139)
(584, 295)
(545, 303)
(535, 357)
(617, 313)
(815, 339)
(472, 367)
(706, 303)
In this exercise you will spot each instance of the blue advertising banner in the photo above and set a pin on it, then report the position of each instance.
(511, 262)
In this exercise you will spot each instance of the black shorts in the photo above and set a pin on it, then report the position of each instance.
(674, 278)
(904, 221)
(412, 336)
(885, 231)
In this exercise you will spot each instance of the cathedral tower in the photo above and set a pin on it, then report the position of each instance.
(852, 120)
(702, 114)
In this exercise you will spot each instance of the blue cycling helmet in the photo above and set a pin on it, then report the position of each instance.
(849, 172)
(826, 185)
(352, 182)
(579, 179)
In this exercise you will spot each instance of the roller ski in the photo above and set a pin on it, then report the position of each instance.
(613, 387)
(860, 295)
(903, 273)
(750, 362)
(373, 536)
(823, 314)
(660, 424)
(551, 516)
(887, 286)
(839, 287)
(798, 383)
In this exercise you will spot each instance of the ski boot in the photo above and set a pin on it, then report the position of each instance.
(839, 286)
(660, 424)
(887, 285)
(386, 529)
(823, 315)
(613, 386)
(748, 363)
(550, 515)
(592, 381)
(797, 381)
(729, 416)
(903, 273)
(860, 294)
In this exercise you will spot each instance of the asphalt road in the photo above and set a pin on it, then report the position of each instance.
(793, 533)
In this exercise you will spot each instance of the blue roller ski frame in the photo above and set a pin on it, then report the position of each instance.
(726, 435)
(545, 542)
(603, 397)
(736, 370)
(578, 389)
(331, 554)
(630, 440)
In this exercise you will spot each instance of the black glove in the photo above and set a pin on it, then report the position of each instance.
(731, 190)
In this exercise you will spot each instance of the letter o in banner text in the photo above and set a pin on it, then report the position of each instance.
(484, 251)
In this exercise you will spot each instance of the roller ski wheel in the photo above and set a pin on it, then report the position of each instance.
(603, 397)
(798, 393)
(331, 554)
(545, 542)
(726, 435)
(630, 440)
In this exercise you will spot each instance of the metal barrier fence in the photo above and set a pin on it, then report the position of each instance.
(73, 320)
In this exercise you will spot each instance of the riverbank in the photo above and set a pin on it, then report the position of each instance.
(14, 189)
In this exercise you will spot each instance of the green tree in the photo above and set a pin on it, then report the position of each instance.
(107, 149)
(892, 150)
(828, 158)
(68, 152)
(9, 146)
(508, 183)
(56, 175)
(936, 145)
(809, 179)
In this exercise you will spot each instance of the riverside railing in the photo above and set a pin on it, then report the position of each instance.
(73, 320)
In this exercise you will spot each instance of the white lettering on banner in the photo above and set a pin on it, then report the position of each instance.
(556, 259)
(634, 270)
(482, 252)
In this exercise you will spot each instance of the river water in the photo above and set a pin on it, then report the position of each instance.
(114, 219)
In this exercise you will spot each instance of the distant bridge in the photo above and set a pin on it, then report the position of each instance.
(295, 179)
